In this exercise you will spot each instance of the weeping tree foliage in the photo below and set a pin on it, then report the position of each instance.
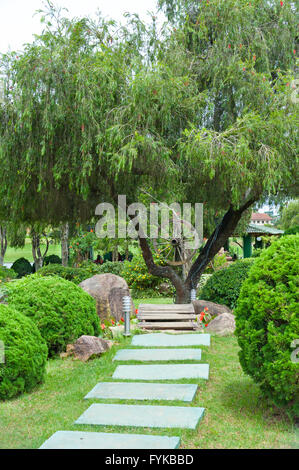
(201, 110)
(243, 145)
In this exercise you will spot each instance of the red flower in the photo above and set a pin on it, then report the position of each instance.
(229, 46)
(206, 325)
(136, 311)
(294, 51)
(281, 4)
(244, 69)
(113, 322)
(103, 326)
(122, 319)
(206, 309)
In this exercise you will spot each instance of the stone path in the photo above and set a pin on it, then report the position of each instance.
(143, 391)
(162, 372)
(103, 440)
(149, 416)
(171, 341)
(151, 355)
(146, 416)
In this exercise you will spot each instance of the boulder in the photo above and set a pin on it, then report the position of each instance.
(214, 309)
(87, 346)
(222, 325)
(108, 290)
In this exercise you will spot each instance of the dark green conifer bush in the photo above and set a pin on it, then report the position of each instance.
(25, 353)
(267, 321)
(61, 310)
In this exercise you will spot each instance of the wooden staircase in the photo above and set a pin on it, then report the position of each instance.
(167, 317)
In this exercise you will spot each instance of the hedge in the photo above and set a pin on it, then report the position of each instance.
(22, 267)
(61, 310)
(25, 353)
(267, 321)
(224, 286)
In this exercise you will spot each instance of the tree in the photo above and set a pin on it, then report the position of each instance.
(243, 146)
(290, 215)
(201, 113)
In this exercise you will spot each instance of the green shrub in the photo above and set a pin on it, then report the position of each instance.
(111, 267)
(267, 321)
(70, 274)
(77, 275)
(25, 353)
(22, 267)
(224, 286)
(6, 274)
(218, 263)
(61, 310)
(137, 276)
(292, 230)
(52, 259)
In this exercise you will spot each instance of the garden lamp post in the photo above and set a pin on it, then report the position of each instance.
(127, 311)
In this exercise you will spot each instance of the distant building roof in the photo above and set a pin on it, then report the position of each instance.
(259, 216)
(261, 229)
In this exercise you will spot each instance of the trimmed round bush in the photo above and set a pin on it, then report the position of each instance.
(267, 321)
(22, 267)
(25, 354)
(61, 310)
(224, 286)
(52, 259)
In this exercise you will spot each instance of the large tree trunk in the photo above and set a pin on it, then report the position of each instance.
(3, 239)
(38, 257)
(65, 244)
(216, 241)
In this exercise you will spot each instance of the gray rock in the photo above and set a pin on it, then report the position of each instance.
(214, 309)
(88, 346)
(108, 290)
(222, 325)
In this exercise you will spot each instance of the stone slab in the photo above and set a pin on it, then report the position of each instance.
(158, 355)
(143, 391)
(165, 340)
(162, 372)
(142, 416)
(101, 440)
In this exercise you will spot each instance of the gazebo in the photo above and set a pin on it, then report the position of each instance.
(256, 231)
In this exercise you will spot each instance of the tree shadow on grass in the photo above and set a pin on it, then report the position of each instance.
(244, 396)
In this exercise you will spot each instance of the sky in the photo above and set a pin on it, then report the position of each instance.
(18, 23)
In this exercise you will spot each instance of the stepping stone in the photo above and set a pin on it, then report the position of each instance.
(102, 440)
(143, 391)
(158, 355)
(165, 340)
(142, 416)
(162, 372)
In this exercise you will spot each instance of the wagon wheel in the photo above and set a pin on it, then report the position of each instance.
(176, 250)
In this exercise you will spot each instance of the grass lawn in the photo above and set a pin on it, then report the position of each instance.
(159, 300)
(236, 416)
(12, 254)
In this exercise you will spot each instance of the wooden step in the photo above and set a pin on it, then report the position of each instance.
(174, 308)
(168, 325)
(166, 316)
